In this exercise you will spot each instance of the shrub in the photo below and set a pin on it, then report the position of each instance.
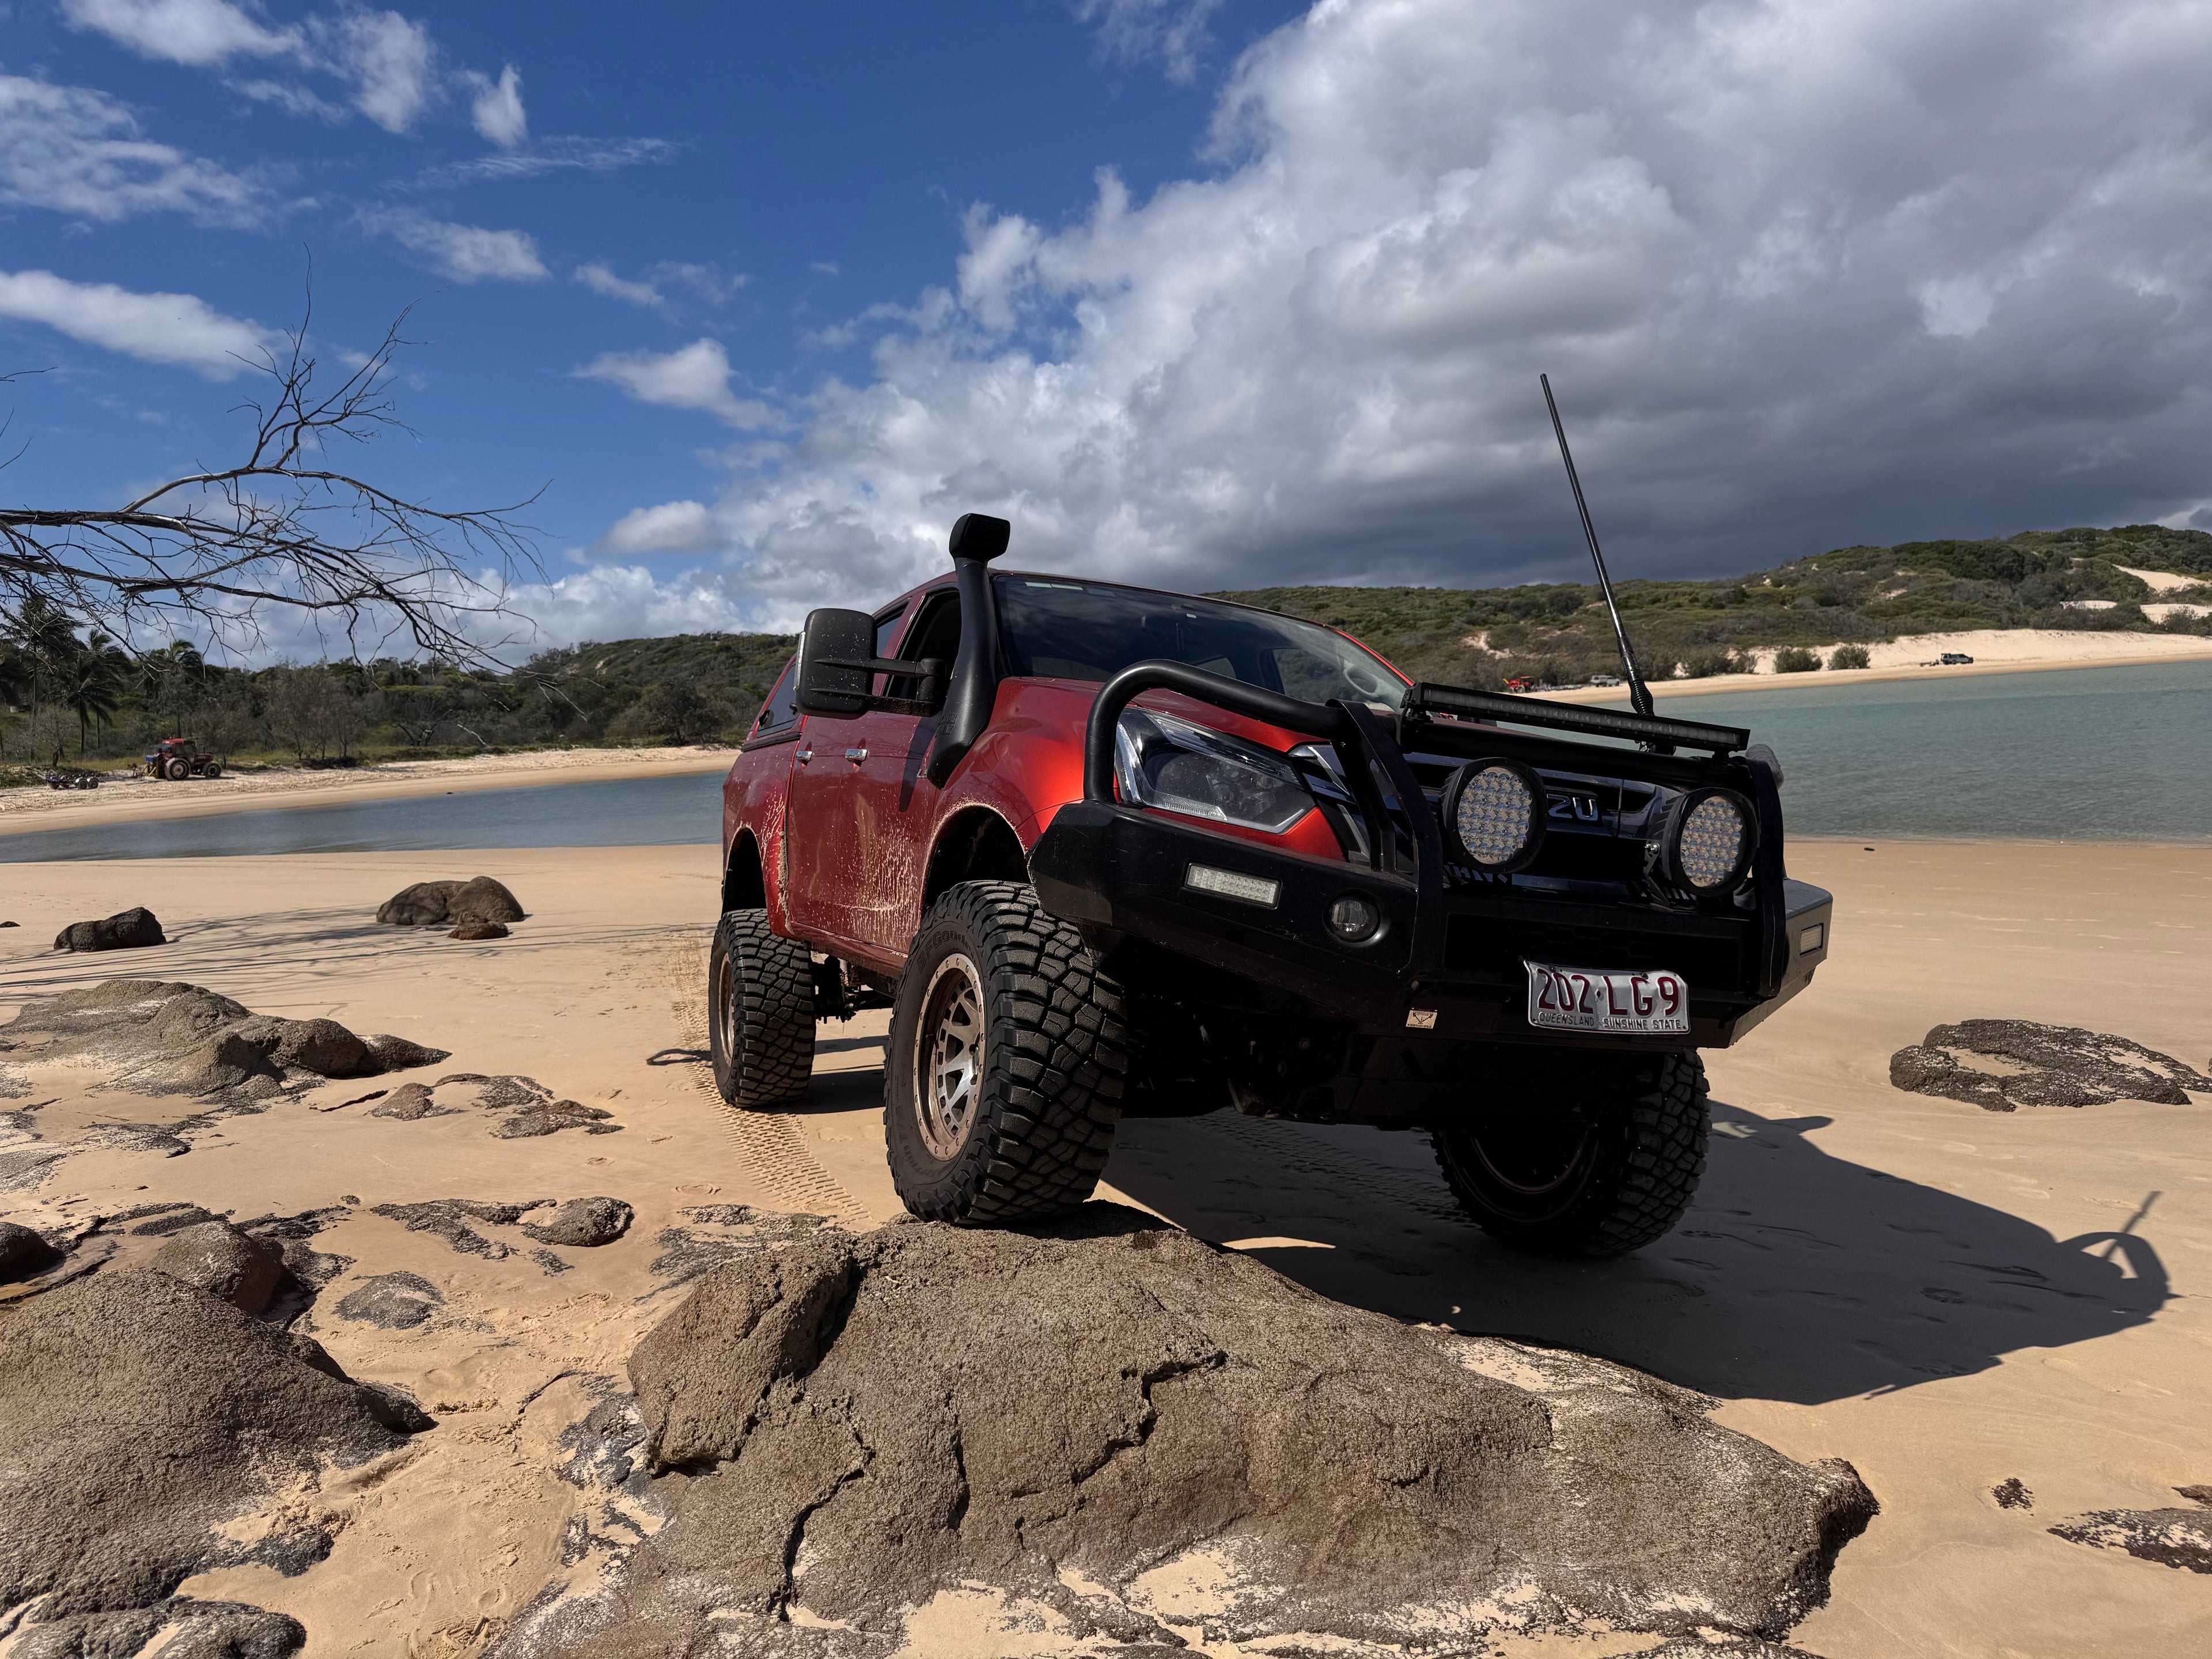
(1703, 665)
(1850, 656)
(1795, 660)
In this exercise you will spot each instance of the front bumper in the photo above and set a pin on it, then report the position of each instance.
(1121, 873)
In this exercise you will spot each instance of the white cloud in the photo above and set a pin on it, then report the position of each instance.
(696, 376)
(178, 329)
(671, 527)
(466, 253)
(203, 33)
(549, 156)
(389, 59)
(1173, 31)
(602, 280)
(497, 110)
(1727, 231)
(616, 602)
(79, 151)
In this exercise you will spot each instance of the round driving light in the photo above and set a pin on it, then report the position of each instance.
(1495, 811)
(1354, 918)
(1711, 842)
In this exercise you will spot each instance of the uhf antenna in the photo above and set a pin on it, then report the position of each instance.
(1639, 694)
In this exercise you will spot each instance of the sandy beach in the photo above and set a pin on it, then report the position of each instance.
(1948, 1298)
(120, 799)
(1994, 651)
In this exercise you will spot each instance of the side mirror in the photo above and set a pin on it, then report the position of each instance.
(831, 648)
(838, 663)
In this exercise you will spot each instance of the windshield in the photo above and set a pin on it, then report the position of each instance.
(1074, 630)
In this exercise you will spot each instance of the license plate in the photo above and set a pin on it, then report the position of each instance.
(1598, 1000)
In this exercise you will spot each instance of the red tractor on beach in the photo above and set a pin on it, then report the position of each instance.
(177, 758)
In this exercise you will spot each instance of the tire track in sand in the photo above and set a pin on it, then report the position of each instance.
(769, 1142)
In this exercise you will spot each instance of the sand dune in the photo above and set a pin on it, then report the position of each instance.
(1948, 1298)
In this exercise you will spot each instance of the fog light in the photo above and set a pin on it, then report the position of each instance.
(1495, 811)
(1354, 918)
(1811, 938)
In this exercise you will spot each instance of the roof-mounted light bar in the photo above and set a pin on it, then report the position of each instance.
(1497, 705)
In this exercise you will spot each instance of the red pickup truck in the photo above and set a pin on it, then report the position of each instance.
(1106, 852)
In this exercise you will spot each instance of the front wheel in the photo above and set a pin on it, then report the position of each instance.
(213, 769)
(760, 1012)
(1598, 1158)
(1003, 1083)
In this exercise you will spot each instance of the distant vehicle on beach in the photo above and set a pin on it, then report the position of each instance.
(1951, 658)
(177, 758)
(1106, 852)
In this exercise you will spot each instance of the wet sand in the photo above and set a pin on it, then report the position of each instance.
(1948, 1298)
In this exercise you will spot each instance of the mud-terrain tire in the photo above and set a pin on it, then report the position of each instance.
(1610, 1165)
(760, 1012)
(1023, 1128)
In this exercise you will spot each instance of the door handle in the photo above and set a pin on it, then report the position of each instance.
(804, 756)
(856, 755)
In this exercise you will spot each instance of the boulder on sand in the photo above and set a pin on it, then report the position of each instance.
(479, 930)
(442, 903)
(1112, 1418)
(215, 1257)
(24, 1253)
(140, 1420)
(164, 1037)
(126, 930)
(583, 1222)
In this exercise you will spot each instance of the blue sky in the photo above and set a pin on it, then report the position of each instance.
(1207, 293)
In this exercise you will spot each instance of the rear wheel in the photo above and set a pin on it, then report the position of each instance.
(1003, 1083)
(1605, 1163)
(760, 1012)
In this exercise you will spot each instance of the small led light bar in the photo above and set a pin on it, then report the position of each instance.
(1250, 890)
(1811, 938)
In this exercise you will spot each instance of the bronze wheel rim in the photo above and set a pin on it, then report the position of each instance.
(948, 1057)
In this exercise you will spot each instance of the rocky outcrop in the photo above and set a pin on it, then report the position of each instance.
(168, 1038)
(391, 1302)
(1118, 1421)
(468, 930)
(585, 1222)
(448, 903)
(139, 1420)
(2172, 1538)
(24, 1253)
(217, 1258)
(2039, 1065)
(126, 930)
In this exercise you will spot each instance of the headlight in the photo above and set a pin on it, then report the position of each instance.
(1495, 812)
(1160, 761)
(1706, 843)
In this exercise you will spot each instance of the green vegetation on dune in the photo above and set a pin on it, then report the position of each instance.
(64, 689)
(1559, 632)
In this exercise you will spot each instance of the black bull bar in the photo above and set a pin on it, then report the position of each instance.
(1119, 871)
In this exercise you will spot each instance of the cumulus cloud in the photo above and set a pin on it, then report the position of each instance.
(178, 329)
(615, 602)
(466, 253)
(497, 109)
(79, 151)
(697, 376)
(203, 33)
(671, 527)
(1803, 273)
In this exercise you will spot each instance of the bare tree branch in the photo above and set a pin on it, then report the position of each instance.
(225, 549)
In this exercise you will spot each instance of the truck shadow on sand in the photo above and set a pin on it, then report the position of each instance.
(1796, 1275)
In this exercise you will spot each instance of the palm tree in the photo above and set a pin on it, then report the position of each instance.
(45, 637)
(92, 684)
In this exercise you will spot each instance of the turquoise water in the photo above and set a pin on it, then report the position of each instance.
(2076, 754)
(2088, 754)
(636, 812)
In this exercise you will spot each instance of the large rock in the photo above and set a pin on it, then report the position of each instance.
(24, 1253)
(215, 1257)
(586, 1223)
(139, 1420)
(1105, 1413)
(2039, 1064)
(166, 1036)
(126, 930)
(439, 903)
